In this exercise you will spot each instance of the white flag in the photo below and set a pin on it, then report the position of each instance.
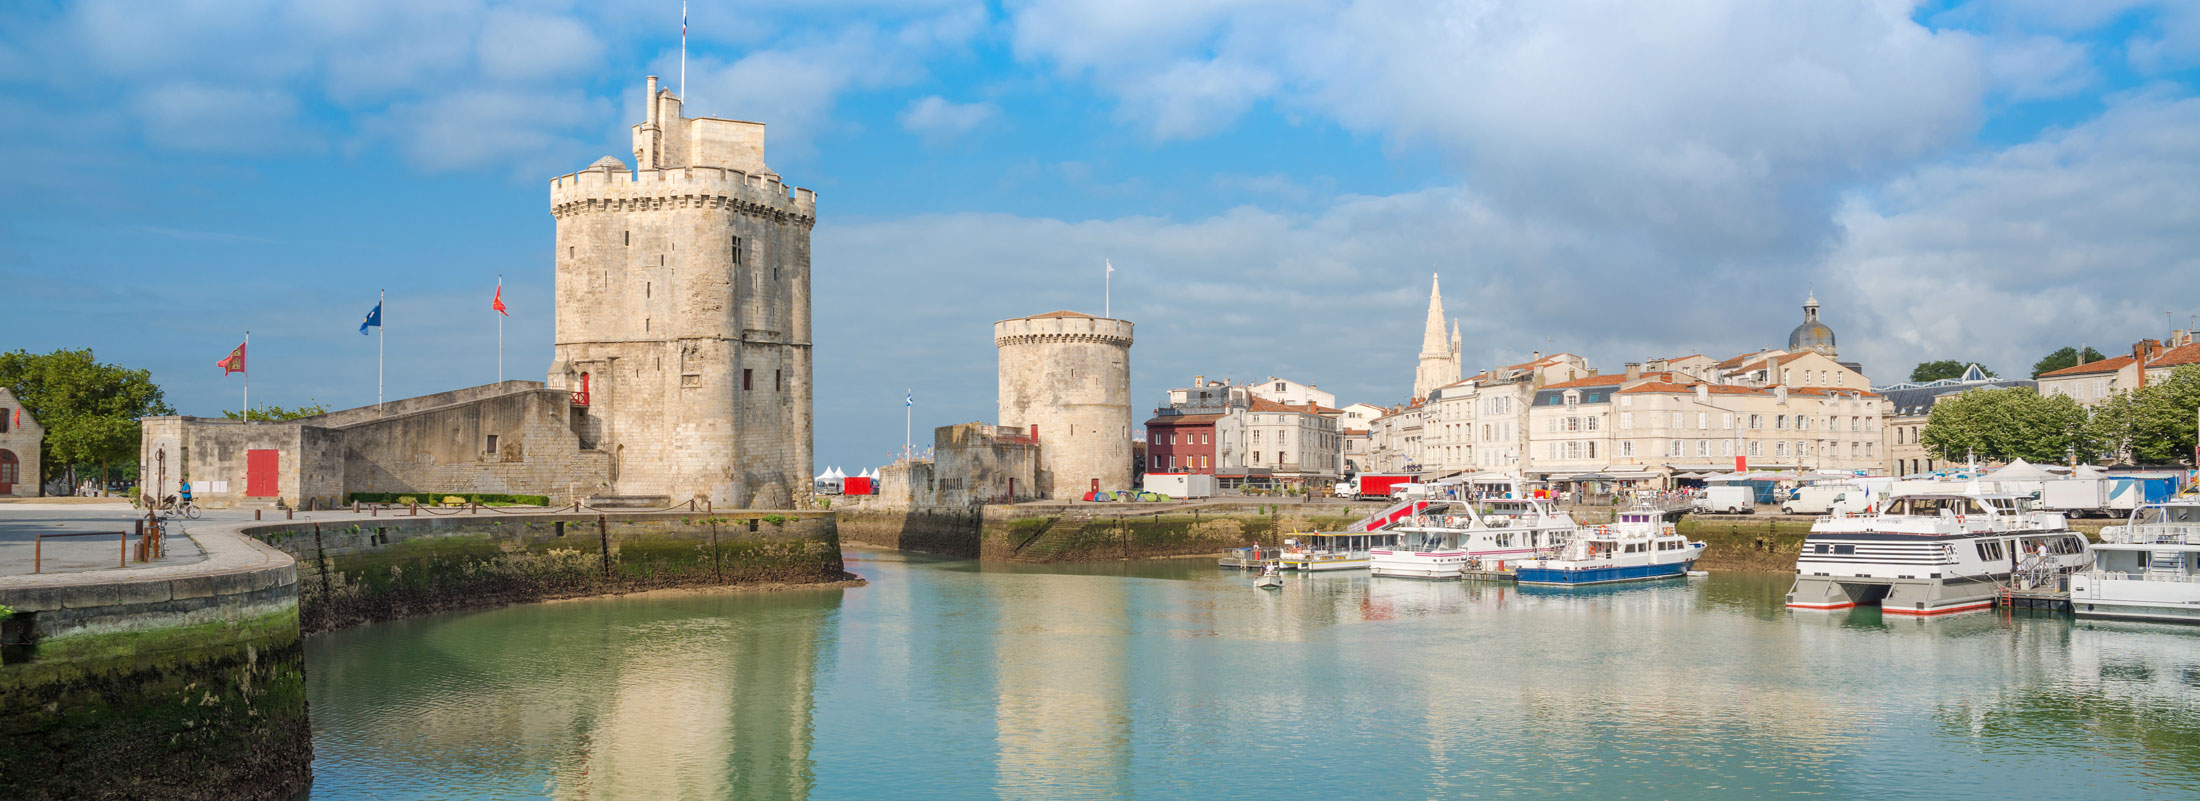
(1111, 265)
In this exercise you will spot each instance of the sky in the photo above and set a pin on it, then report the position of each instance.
(1275, 182)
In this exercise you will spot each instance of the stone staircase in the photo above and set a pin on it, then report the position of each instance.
(1051, 541)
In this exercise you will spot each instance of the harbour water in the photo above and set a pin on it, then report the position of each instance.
(1171, 679)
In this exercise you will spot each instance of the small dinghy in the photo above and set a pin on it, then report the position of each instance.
(1270, 579)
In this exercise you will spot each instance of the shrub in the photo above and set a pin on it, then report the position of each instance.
(407, 500)
(484, 498)
(453, 500)
(775, 519)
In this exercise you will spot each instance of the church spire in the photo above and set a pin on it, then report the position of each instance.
(1439, 358)
(1432, 334)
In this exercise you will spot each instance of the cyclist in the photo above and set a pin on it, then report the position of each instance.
(183, 494)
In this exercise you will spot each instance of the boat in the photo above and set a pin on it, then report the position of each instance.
(1320, 551)
(1269, 579)
(1641, 546)
(2146, 569)
(1934, 552)
(1450, 538)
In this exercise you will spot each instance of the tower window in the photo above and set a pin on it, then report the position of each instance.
(626, 238)
(775, 273)
(569, 251)
(779, 381)
(747, 377)
(645, 289)
(491, 447)
(737, 250)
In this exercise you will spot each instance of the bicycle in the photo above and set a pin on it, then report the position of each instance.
(178, 508)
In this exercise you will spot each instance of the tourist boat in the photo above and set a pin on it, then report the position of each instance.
(1640, 547)
(1334, 551)
(2146, 569)
(1452, 538)
(1932, 553)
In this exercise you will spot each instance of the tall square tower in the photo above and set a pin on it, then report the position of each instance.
(683, 313)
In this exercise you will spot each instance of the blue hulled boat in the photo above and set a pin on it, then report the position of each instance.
(1640, 547)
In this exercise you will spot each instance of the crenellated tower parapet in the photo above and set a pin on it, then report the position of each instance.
(610, 187)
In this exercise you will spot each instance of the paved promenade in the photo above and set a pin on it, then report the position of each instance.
(21, 522)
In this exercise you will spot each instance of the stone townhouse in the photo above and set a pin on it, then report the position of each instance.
(1226, 430)
(21, 437)
(1284, 390)
(2179, 351)
(1666, 428)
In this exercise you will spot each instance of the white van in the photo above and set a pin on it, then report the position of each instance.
(1727, 499)
(1825, 499)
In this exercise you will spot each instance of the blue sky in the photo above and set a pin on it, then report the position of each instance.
(1274, 181)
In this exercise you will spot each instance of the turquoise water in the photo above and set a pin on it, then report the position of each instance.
(1171, 679)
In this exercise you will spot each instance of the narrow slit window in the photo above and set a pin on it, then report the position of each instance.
(746, 378)
(737, 250)
(491, 446)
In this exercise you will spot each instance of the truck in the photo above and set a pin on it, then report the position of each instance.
(2109, 496)
(1371, 485)
(1728, 499)
(1825, 499)
(1181, 485)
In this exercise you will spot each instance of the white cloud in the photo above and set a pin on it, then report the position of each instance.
(2087, 234)
(2036, 67)
(939, 119)
(524, 46)
(222, 119)
(1726, 120)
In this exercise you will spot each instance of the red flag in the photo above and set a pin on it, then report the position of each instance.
(498, 303)
(233, 364)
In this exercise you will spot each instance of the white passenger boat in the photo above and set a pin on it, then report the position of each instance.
(1335, 551)
(1639, 547)
(1451, 538)
(2146, 569)
(1933, 553)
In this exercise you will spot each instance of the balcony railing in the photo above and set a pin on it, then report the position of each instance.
(2154, 534)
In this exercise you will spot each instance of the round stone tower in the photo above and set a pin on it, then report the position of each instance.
(683, 314)
(1069, 375)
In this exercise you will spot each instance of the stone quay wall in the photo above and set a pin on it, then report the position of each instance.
(172, 682)
(948, 532)
(1094, 532)
(362, 571)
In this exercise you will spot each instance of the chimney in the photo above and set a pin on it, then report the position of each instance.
(1634, 370)
(2139, 352)
(1535, 357)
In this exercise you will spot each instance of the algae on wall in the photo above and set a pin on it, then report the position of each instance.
(384, 571)
(207, 711)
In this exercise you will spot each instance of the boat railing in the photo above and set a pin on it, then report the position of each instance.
(2152, 534)
(2143, 575)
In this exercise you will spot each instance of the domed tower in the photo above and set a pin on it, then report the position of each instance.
(683, 313)
(1812, 335)
(1069, 374)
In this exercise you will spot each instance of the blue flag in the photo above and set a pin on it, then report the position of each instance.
(909, 399)
(374, 318)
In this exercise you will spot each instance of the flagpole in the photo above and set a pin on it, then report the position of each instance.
(908, 414)
(1107, 292)
(500, 331)
(247, 377)
(683, 53)
(380, 334)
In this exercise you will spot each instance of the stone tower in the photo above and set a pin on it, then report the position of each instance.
(1069, 374)
(1439, 359)
(683, 313)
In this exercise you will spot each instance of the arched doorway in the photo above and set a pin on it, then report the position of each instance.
(11, 471)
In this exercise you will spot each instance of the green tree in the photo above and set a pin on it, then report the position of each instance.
(90, 410)
(313, 409)
(2006, 424)
(1945, 368)
(2067, 357)
(2153, 425)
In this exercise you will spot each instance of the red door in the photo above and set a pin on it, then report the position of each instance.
(259, 473)
(9, 471)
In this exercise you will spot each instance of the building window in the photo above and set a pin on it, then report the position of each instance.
(1206, 439)
(779, 381)
(491, 447)
(1756, 422)
(737, 250)
(1729, 421)
(1203, 461)
(1753, 450)
(1626, 423)
(627, 238)
(1573, 424)
(747, 378)
(1590, 422)
(1256, 456)
(1703, 447)
(3, 421)
(1627, 447)
(1726, 447)
(1279, 386)
(1172, 439)
(1675, 448)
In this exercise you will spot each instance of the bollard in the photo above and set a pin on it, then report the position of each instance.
(354, 507)
(255, 514)
(288, 513)
(415, 508)
(374, 511)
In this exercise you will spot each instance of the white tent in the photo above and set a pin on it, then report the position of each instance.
(2019, 470)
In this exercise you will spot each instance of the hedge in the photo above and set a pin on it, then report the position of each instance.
(431, 498)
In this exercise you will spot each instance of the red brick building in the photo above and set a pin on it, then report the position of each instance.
(1182, 443)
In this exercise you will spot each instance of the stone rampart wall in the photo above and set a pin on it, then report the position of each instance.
(387, 568)
(949, 532)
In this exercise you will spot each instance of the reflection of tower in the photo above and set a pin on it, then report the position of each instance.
(722, 712)
(683, 312)
(1063, 714)
(1439, 360)
(1069, 375)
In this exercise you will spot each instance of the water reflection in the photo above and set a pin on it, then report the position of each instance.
(1172, 679)
(705, 696)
